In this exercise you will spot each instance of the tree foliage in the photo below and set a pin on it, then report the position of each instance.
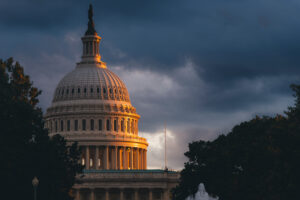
(258, 159)
(25, 148)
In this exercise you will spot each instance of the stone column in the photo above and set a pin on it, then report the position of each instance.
(124, 158)
(92, 194)
(137, 158)
(87, 157)
(106, 194)
(166, 195)
(136, 194)
(119, 158)
(96, 157)
(131, 159)
(141, 159)
(77, 194)
(121, 194)
(116, 158)
(105, 160)
(150, 194)
(145, 158)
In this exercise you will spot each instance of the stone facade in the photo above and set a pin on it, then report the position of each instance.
(91, 106)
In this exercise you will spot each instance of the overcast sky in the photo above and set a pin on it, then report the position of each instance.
(201, 66)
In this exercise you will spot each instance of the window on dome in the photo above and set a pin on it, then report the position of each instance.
(72, 90)
(128, 126)
(107, 125)
(78, 90)
(104, 90)
(67, 91)
(76, 125)
(92, 90)
(68, 125)
(100, 125)
(110, 91)
(132, 126)
(122, 125)
(115, 125)
(83, 125)
(84, 90)
(61, 125)
(92, 124)
(98, 90)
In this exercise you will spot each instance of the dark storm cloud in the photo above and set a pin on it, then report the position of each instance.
(201, 66)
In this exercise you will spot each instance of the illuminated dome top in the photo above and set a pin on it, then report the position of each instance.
(91, 80)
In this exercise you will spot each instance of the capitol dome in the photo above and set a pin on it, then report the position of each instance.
(91, 106)
(91, 82)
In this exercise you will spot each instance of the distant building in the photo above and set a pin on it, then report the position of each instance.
(91, 106)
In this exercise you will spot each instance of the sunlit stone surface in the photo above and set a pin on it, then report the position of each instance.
(91, 106)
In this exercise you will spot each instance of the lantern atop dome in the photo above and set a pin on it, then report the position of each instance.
(91, 41)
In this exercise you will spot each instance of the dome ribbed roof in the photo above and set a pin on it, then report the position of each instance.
(91, 82)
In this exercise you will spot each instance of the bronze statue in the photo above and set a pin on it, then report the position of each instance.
(91, 27)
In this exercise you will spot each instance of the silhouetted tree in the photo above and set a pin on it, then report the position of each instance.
(25, 148)
(258, 159)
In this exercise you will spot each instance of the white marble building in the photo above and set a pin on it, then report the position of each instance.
(91, 106)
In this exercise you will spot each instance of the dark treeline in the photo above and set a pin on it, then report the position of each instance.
(259, 159)
(26, 150)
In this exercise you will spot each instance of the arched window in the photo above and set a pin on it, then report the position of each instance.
(104, 90)
(107, 125)
(76, 125)
(92, 125)
(115, 125)
(68, 125)
(83, 125)
(98, 90)
(72, 90)
(84, 90)
(82, 161)
(78, 90)
(61, 125)
(128, 126)
(67, 91)
(122, 125)
(92, 90)
(100, 125)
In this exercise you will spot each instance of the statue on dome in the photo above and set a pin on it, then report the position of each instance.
(91, 27)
